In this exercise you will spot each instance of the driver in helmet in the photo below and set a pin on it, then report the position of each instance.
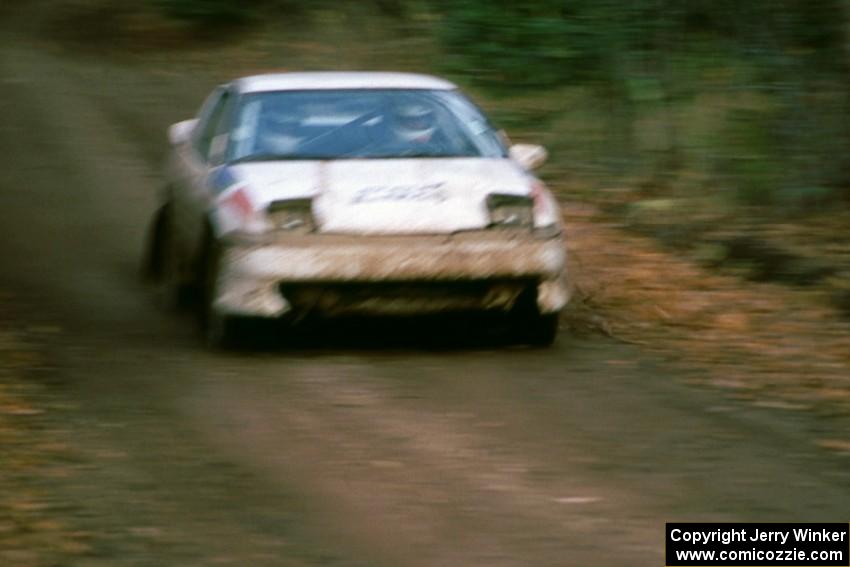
(414, 124)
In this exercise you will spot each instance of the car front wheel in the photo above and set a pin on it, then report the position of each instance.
(531, 327)
(541, 331)
(220, 331)
(171, 291)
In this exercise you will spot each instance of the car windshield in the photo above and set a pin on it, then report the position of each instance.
(360, 124)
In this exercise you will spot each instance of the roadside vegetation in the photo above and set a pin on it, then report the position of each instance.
(722, 129)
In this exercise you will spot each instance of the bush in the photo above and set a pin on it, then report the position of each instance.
(210, 12)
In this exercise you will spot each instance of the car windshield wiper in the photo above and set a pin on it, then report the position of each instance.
(413, 155)
(280, 157)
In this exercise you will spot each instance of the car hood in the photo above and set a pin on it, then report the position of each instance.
(392, 196)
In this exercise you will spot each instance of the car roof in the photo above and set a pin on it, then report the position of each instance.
(339, 80)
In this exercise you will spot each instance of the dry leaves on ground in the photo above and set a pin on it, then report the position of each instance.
(31, 534)
(768, 342)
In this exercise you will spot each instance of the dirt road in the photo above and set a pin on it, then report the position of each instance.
(350, 454)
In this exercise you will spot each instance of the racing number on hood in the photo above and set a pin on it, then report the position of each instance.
(433, 192)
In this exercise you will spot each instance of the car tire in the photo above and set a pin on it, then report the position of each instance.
(529, 326)
(542, 330)
(172, 293)
(151, 261)
(220, 331)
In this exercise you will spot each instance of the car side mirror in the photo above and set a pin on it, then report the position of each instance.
(181, 132)
(529, 156)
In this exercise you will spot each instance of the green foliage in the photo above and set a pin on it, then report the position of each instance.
(649, 63)
(210, 12)
(537, 43)
(500, 42)
(750, 147)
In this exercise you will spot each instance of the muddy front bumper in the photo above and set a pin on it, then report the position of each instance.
(336, 274)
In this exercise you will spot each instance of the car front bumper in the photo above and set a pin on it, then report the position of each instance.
(390, 274)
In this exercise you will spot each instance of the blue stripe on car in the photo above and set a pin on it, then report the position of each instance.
(221, 179)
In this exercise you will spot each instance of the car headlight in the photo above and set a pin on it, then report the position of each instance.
(292, 215)
(510, 211)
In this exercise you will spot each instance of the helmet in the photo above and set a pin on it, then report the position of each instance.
(278, 132)
(414, 122)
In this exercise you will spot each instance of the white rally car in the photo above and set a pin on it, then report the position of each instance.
(354, 193)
